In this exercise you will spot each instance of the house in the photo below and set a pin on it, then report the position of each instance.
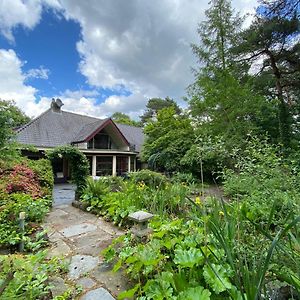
(111, 148)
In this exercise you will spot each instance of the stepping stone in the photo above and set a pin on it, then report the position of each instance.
(61, 248)
(58, 286)
(86, 282)
(81, 264)
(100, 294)
(78, 229)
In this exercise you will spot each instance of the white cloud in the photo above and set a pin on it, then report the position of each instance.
(140, 45)
(40, 72)
(13, 86)
(17, 12)
(144, 46)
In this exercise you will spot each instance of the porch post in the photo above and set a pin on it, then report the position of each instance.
(114, 166)
(94, 165)
(129, 161)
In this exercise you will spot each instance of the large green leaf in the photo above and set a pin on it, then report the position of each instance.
(216, 277)
(188, 258)
(197, 293)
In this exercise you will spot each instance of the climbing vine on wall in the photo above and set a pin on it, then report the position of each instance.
(79, 164)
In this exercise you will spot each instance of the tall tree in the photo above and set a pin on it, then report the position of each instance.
(167, 139)
(122, 118)
(15, 116)
(273, 38)
(154, 105)
(219, 100)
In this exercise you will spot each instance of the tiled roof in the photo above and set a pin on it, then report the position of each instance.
(52, 129)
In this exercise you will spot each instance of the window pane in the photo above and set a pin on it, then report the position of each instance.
(104, 165)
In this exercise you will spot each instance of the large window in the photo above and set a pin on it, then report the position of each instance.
(122, 165)
(104, 165)
(100, 141)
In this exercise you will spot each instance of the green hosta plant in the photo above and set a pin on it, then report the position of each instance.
(173, 264)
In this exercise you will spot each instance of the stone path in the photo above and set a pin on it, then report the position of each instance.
(80, 237)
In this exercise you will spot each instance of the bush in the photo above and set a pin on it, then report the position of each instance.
(118, 204)
(27, 277)
(187, 178)
(149, 178)
(21, 191)
(43, 170)
(10, 208)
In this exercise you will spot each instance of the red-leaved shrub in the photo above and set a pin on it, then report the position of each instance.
(23, 180)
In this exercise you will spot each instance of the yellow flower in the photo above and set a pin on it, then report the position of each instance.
(141, 185)
(198, 201)
(221, 213)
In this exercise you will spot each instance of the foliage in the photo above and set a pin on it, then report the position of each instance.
(16, 117)
(179, 260)
(154, 105)
(149, 178)
(272, 38)
(260, 175)
(218, 33)
(27, 277)
(116, 205)
(43, 170)
(122, 118)
(20, 179)
(186, 178)
(21, 191)
(208, 153)
(247, 248)
(167, 140)
(79, 165)
(10, 207)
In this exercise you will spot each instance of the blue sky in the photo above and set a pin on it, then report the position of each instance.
(98, 56)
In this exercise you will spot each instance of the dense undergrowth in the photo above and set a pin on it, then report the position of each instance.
(26, 186)
(246, 247)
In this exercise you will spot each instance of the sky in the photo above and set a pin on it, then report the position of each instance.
(99, 56)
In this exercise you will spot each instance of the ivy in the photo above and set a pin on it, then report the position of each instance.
(79, 165)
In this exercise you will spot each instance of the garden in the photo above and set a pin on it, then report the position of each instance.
(243, 246)
(26, 193)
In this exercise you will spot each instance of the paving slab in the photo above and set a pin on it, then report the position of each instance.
(114, 281)
(78, 229)
(86, 283)
(60, 249)
(98, 294)
(81, 264)
(58, 286)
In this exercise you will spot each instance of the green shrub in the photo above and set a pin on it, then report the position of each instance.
(179, 260)
(118, 204)
(27, 277)
(187, 178)
(43, 170)
(10, 208)
(149, 178)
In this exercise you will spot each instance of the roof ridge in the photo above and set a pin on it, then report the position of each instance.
(128, 125)
(32, 121)
(70, 112)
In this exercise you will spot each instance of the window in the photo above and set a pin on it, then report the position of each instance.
(104, 165)
(122, 165)
(100, 141)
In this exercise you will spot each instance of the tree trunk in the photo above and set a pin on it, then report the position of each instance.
(283, 111)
